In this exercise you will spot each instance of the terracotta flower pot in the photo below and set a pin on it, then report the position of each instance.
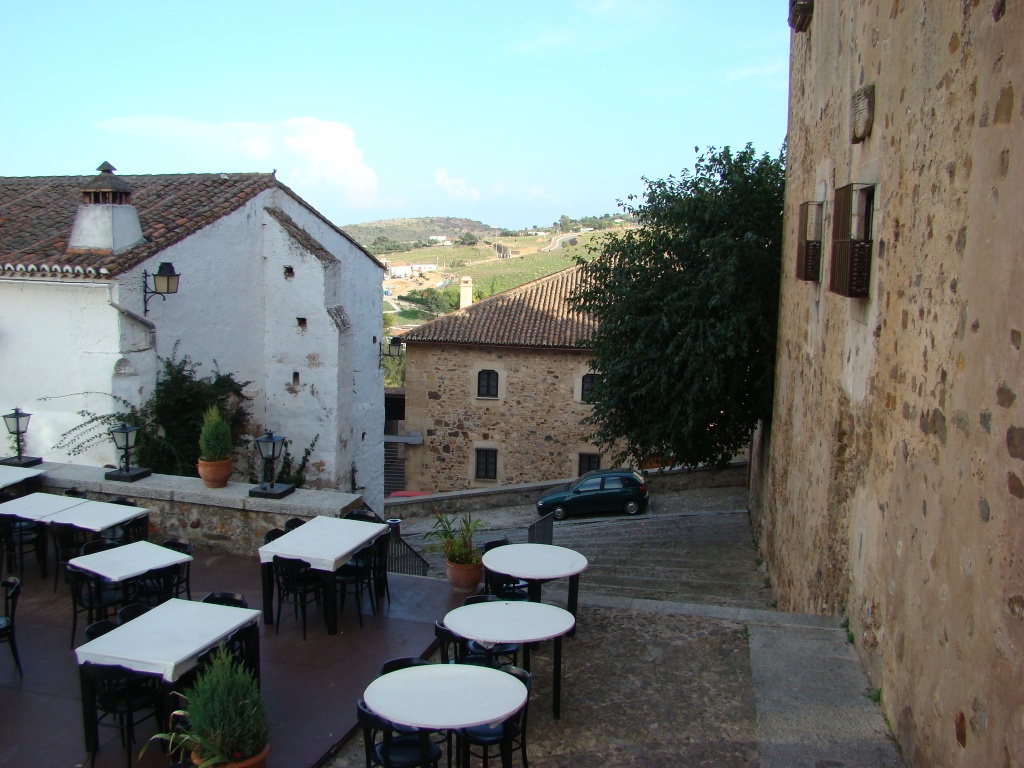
(464, 578)
(215, 474)
(256, 761)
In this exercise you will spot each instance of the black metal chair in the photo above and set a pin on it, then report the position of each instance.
(68, 541)
(92, 596)
(358, 574)
(295, 584)
(18, 538)
(233, 599)
(99, 545)
(385, 748)
(12, 588)
(99, 629)
(127, 697)
(501, 653)
(157, 586)
(136, 529)
(132, 611)
(183, 584)
(453, 649)
(486, 737)
(505, 587)
(273, 534)
(402, 662)
(292, 524)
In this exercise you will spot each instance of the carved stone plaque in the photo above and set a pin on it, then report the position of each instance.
(863, 109)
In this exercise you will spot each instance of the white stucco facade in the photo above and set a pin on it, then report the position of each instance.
(278, 297)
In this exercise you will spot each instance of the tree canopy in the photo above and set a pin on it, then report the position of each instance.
(688, 312)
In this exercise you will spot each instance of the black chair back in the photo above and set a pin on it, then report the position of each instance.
(273, 534)
(12, 589)
(132, 611)
(98, 629)
(295, 522)
(233, 599)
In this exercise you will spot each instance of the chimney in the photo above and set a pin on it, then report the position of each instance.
(465, 292)
(106, 221)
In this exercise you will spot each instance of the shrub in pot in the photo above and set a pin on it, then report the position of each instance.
(454, 537)
(215, 449)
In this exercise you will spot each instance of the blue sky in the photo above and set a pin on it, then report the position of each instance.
(510, 113)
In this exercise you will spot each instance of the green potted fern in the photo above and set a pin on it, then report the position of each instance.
(225, 720)
(463, 560)
(215, 449)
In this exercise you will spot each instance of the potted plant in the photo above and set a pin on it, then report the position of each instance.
(225, 722)
(215, 449)
(464, 561)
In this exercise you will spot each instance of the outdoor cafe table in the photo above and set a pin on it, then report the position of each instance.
(520, 622)
(537, 563)
(166, 641)
(130, 560)
(15, 475)
(326, 543)
(38, 506)
(439, 697)
(97, 515)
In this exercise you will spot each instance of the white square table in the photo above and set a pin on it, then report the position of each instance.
(326, 543)
(38, 506)
(166, 641)
(135, 559)
(437, 697)
(97, 515)
(520, 622)
(15, 475)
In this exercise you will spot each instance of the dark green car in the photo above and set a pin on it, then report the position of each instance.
(602, 490)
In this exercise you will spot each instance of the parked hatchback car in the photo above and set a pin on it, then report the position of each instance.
(602, 490)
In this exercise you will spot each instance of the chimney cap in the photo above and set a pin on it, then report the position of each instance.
(106, 181)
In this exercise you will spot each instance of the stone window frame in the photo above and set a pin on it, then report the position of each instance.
(853, 232)
(584, 460)
(499, 464)
(580, 370)
(487, 365)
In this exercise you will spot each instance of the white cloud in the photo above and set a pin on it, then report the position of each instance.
(310, 152)
(455, 187)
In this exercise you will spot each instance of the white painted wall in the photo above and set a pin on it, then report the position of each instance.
(60, 343)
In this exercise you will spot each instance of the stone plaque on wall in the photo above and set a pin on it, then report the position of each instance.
(863, 110)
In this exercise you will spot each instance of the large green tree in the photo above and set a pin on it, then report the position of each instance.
(688, 311)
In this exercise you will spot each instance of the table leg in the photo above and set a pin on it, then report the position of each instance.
(526, 656)
(506, 746)
(88, 712)
(42, 547)
(574, 599)
(533, 588)
(556, 694)
(267, 573)
(331, 603)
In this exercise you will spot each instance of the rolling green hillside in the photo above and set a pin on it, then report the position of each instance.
(412, 230)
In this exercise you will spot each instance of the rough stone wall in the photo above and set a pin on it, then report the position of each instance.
(535, 423)
(890, 485)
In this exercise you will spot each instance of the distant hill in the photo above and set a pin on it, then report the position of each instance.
(412, 230)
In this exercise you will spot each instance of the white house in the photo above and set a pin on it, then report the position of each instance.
(269, 290)
(423, 266)
(399, 269)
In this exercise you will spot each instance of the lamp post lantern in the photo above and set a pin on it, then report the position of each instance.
(124, 440)
(271, 447)
(17, 425)
(165, 281)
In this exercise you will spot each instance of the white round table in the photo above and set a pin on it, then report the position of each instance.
(537, 563)
(445, 696)
(510, 621)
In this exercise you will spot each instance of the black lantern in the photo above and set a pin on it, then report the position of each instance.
(165, 281)
(124, 440)
(393, 349)
(271, 447)
(17, 425)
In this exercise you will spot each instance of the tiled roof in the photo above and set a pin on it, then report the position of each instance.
(533, 315)
(36, 214)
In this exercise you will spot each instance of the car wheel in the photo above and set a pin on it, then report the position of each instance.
(632, 507)
(559, 513)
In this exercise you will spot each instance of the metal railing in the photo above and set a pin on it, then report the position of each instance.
(542, 531)
(402, 558)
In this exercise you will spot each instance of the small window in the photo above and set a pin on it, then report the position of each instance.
(589, 485)
(589, 461)
(289, 273)
(301, 322)
(486, 463)
(614, 483)
(852, 235)
(587, 389)
(808, 242)
(487, 384)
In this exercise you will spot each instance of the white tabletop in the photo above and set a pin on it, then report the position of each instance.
(515, 621)
(535, 561)
(135, 559)
(168, 639)
(96, 515)
(15, 475)
(441, 696)
(326, 543)
(38, 506)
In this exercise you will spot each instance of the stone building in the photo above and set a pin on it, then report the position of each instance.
(269, 291)
(891, 485)
(498, 391)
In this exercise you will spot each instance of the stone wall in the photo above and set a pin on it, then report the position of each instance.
(889, 487)
(534, 423)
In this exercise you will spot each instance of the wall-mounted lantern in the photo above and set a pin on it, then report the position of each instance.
(165, 281)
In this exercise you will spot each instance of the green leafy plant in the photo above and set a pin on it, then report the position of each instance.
(225, 719)
(215, 443)
(454, 537)
(875, 694)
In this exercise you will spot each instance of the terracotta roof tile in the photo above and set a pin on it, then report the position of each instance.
(533, 315)
(36, 214)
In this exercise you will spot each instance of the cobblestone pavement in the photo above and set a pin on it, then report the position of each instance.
(643, 688)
